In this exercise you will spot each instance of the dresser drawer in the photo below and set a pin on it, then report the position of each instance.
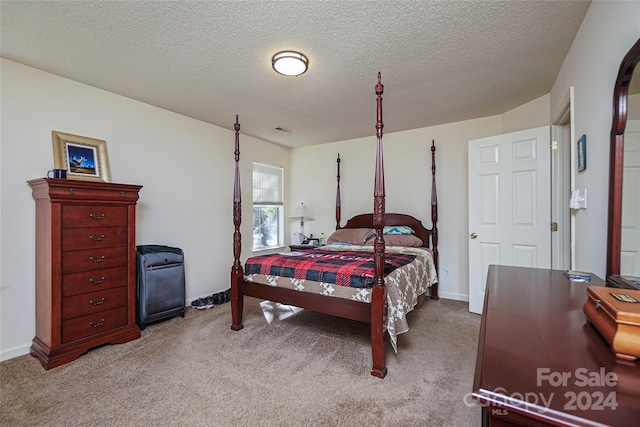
(94, 302)
(94, 259)
(93, 324)
(94, 216)
(94, 237)
(92, 281)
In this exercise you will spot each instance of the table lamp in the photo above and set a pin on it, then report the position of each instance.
(302, 213)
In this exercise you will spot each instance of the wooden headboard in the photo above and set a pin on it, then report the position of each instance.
(391, 219)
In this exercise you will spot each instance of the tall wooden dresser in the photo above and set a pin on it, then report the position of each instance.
(85, 267)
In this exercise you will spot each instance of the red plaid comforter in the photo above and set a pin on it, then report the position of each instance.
(344, 268)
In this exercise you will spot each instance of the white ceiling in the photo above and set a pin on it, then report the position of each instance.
(441, 61)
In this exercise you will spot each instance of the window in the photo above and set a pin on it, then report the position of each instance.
(268, 222)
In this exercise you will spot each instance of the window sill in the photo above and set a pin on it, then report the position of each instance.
(269, 250)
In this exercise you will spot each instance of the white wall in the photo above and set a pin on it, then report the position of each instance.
(407, 163)
(608, 31)
(528, 116)
(184, 165)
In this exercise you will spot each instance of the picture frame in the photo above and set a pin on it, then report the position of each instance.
(582, 153)
(82, 157)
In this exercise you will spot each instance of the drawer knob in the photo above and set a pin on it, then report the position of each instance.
(97, 217)
(92, 302)
(597, 304)
(97, 239)
(92, 259)
(96, 282)
(95, 325)
(72, 191)
(122, 193)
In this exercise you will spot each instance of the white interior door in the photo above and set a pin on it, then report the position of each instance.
(630, 244)
(509, 205)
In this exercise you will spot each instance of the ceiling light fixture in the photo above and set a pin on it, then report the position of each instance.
(290, 63)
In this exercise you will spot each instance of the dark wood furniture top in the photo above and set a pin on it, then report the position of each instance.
(540, 363)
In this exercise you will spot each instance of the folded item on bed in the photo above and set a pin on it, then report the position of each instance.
(351, 236)
(396, 235)
(345, 268)
(397, 229)
(406, 240)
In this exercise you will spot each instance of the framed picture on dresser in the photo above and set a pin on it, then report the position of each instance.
(82, 157)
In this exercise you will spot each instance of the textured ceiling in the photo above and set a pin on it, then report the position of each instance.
(441, 61)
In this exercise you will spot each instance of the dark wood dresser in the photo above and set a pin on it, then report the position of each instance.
(540, 363)
(85, 267)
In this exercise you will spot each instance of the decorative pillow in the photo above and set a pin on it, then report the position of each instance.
(351, 236)
(397, 229)
(407, 240)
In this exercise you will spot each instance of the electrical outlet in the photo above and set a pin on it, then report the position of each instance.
(447, 273)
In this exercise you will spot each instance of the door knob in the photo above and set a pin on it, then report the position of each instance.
(473, 235)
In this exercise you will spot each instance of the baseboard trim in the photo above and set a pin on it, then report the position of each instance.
(14, 352)
(454, 296)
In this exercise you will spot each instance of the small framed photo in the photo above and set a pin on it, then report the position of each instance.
(82, 157)
(582, 153)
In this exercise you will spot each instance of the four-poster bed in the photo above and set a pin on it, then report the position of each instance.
(390, 281)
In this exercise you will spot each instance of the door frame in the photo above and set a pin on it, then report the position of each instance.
(563, 174)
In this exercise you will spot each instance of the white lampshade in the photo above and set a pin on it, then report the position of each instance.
(302, 213)
(290, 63)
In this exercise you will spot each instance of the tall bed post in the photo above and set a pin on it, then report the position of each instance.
(378, 297)
(338, 202)
(236, 271)
(434, 218)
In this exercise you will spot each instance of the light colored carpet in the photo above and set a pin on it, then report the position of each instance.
(283, 368)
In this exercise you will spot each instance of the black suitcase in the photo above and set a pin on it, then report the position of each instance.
(160, 283)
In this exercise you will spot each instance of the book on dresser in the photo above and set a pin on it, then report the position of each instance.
(578, 276)
(85, 267)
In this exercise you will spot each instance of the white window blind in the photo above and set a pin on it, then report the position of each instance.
(268, 222)
(267, 185)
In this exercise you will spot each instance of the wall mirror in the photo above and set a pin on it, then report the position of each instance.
(623, 250)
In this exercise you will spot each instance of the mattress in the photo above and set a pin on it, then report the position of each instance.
(403, 285)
